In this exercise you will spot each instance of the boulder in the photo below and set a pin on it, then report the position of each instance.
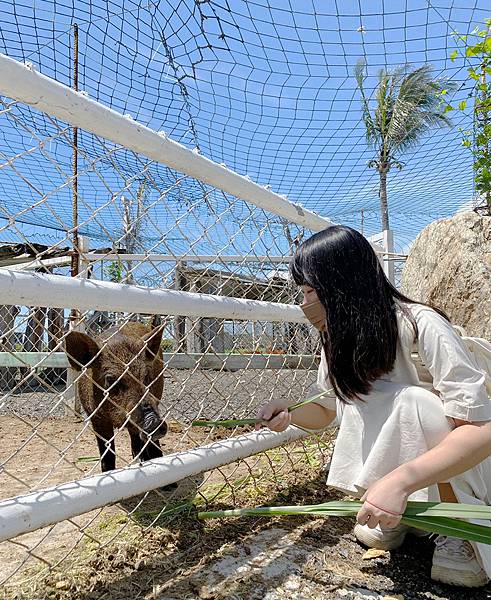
(449, 266)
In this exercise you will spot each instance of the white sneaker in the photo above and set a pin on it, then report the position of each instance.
(384, 539)
(455, 563)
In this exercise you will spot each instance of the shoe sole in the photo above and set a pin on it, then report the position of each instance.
(372, 541)
(458, 578)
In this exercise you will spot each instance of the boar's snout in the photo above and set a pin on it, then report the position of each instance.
(152, 424)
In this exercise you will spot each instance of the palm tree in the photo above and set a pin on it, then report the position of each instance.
(407, 103)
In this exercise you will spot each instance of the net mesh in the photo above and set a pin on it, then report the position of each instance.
(266, 88)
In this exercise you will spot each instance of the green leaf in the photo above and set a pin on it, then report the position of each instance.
(226, 423)
(443, 518)
(454, 55)
(447, 109)
(462, 104)
(451, 527)
(244, 422)
(472, 51)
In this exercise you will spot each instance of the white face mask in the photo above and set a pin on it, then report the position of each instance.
(315, 313)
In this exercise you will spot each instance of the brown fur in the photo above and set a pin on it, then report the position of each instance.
(122, 364)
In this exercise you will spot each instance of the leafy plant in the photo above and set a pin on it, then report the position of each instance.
(114, 271)
(167, 345)
(478, 140)
(406, 105)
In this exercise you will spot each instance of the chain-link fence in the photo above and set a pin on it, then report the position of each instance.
(108, 228)
(85, 390)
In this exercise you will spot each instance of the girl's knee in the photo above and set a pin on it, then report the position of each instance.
(421, 409)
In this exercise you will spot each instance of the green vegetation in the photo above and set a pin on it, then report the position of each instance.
(478, 139)
(114, 271)
(406, 105)
(439, 517)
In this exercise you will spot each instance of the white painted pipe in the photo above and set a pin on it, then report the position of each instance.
(197, 258)
(176, 360)
(29, 512)
(57, 291)
(24, 84)
(205, 258)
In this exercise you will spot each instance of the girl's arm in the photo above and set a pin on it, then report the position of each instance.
(462, 449)
(462, 389)
(311, 416)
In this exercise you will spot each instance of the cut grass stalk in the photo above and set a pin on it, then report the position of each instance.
(439, 517)
(230, 423)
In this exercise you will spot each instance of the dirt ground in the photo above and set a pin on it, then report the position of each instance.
(154, 547)
(244, 559)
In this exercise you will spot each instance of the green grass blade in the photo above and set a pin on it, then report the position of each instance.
(245, 422)
(448, 509)
(439, 517)
(226, 423)
(451, 527)
(329, 509)
(309, 400)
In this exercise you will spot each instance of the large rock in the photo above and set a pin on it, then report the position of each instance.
(449, 265)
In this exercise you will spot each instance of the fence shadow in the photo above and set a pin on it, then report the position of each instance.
(197, 546)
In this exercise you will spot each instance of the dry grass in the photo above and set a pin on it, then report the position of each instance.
(135, 553)
(171, 555)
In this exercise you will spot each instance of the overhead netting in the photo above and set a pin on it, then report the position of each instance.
(266, 88)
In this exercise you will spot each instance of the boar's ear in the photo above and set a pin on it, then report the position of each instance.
(152, 342)
(80, 349)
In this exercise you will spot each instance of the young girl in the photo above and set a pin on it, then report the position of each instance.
(400, 438)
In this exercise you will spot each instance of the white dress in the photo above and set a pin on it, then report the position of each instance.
(410, 410)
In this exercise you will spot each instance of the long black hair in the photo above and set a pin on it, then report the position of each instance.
(360, 341)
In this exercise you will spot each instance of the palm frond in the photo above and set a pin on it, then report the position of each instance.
(407, 104)
(370, 129)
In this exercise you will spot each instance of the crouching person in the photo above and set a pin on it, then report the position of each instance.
(399, 438)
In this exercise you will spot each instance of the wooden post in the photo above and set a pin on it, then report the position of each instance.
(180, 322)
(55, 327)
(194, 325)
(7, 343)
(75, 254)
(72, 400)
(33, 337)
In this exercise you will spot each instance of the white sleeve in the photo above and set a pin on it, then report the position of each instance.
(456, 375)
(323, 385)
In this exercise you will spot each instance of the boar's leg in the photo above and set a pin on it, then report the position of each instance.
(142, 451)
(152, 450)
(136, 444)
(104, 432)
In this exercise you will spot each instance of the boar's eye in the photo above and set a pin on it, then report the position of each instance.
(114, 384)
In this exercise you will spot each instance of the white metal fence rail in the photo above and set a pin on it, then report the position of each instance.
(209, 262)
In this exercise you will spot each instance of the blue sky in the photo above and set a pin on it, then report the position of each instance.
(265, 86)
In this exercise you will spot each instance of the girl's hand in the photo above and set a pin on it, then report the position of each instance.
(384, 503)
(276, 414)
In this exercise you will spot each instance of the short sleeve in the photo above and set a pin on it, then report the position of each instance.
(323, 385)
(456, 375)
